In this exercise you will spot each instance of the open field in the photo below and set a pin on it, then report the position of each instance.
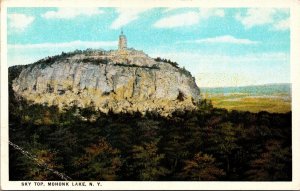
(276, 101)
(252, 104)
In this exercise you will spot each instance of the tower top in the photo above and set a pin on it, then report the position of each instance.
(122, 41)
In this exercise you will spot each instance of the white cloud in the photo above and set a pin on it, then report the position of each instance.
(282, 25)
(19, 54)
(255, 17)
(222, 79)
(227, 59)
(19, 22)
(127, 15)
(206, 13)
(188, 18)
(21, 60)
(169, 9)
(223, 39)
(212, 70)
(183, 19)
(72, 44)
(258, 17)
(70, 13)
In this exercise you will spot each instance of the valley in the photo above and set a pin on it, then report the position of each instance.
(273, 98)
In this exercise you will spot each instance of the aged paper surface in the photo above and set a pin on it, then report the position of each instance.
(164, 29)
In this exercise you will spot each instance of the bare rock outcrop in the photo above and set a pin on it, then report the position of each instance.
(118, 80)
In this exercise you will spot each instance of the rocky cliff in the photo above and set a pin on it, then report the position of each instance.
(119, 80)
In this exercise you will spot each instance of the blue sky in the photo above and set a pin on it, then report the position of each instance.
(221, 47)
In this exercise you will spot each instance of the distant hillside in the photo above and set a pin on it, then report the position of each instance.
(268, 89)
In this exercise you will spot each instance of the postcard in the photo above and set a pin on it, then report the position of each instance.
(159, 95)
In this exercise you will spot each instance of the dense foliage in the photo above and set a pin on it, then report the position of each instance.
(50, 60)
(205, 144)
(174, 64)
(136, 66)
(209, 144)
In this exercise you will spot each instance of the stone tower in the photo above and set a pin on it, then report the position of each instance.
(122, 41)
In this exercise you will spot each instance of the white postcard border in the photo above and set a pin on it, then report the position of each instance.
(294, 6)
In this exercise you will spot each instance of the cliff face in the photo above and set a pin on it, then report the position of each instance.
(121, 81)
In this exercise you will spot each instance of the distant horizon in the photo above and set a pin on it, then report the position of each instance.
(268, 84)
(221, 47)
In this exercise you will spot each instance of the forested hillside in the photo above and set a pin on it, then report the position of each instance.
(207, 144)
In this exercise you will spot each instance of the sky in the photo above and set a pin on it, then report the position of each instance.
(219, 46)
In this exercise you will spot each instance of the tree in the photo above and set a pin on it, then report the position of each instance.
(204, 106)
(223, 141)
(181, 96)
(174, 147)
(201, 168)
(146, 161)
(146, 130)
(37, 168)
(275, 163)
(100, 162)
